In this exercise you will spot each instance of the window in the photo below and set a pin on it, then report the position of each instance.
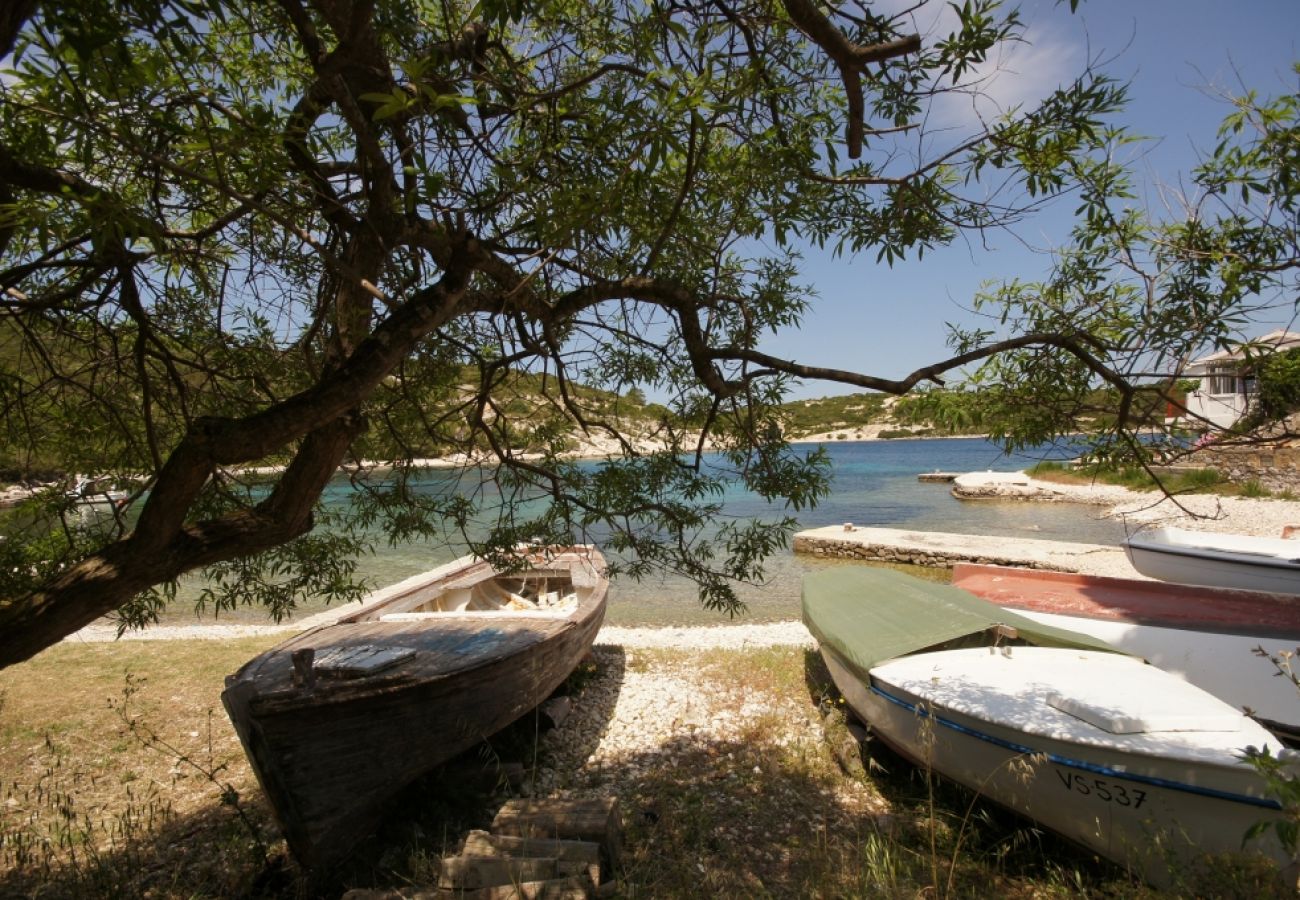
(1221, 381)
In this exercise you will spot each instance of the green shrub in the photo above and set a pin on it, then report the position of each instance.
(1278, 386)
(1253, 488)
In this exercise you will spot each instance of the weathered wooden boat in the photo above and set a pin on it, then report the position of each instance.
(1132, 762)
(1238, 561)
(1206, 635)
(340, 718)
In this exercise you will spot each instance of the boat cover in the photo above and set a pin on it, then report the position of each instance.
(868, 615)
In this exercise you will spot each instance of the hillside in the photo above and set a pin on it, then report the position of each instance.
(854, 417)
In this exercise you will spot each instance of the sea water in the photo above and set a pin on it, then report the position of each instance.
(874, 484)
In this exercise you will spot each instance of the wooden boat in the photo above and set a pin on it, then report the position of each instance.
(1132, 762)
(338, 719)
(1206, 635)
(1238, 561)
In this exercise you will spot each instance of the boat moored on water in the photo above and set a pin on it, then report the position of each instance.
(1237, 561)
(337, 720)
(1132, 762)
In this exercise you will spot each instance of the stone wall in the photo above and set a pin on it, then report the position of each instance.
(916, 556)
(1276, 468)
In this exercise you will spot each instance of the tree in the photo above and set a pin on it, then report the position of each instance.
(311, 231)
(1155, 292)
(1279, 388)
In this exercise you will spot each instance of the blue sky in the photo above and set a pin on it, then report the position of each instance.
(1175, 54)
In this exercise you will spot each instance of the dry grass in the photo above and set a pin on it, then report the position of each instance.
(115, 760)
(757, 806)
(733, 794)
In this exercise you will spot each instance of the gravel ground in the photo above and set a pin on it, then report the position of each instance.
(1204, 512)
(727, 637)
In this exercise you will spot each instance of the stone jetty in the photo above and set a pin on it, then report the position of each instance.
(943, 550)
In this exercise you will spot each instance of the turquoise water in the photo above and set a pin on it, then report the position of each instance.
(875, 484)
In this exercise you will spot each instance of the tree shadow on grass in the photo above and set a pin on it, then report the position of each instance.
(209, 853)
(952, 831)
(212, 853)
(963, 838)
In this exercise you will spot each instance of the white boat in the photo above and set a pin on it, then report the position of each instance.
(1132, 762)
(90, 492)
(1206, 635)
(1238, 561)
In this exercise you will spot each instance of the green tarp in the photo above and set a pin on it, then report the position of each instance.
(868, 615)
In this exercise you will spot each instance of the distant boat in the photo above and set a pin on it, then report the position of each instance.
(339, 719)
(1130, 761)
(1207, 635)
(1237, 561)
(90, 492)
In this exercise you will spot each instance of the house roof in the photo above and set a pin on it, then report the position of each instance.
(1273, 342)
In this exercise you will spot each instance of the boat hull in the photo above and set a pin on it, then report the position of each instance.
(1127, 807)
(1225, 561)
(331, 756)
(1206, 635)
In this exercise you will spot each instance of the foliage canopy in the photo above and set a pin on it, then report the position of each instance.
(309, 232)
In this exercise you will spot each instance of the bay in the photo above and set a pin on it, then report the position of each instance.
(874, 485)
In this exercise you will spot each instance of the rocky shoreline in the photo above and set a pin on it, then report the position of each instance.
(1259, 516)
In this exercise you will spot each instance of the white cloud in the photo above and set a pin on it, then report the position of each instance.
(1018, 74)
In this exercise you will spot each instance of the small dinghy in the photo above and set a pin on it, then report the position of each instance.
(340, 718)
(1239, 561)
(1130, 761)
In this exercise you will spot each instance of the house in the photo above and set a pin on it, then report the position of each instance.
(1227, 379)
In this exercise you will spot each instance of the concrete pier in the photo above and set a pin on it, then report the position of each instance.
(943, 550)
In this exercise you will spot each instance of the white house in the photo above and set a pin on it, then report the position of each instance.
(1227, 379)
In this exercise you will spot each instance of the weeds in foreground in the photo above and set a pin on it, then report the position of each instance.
(1282, 781)
(47, 835)
(81, 817)
(206, 767)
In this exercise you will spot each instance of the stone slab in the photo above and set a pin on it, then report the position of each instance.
(944, 549)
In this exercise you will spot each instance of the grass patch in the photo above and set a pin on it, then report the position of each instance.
(93, 809)
(726, 786)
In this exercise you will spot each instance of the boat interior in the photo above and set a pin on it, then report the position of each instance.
(536, 592)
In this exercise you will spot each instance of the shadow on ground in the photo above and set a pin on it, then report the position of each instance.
(215, 852)
(963, 839)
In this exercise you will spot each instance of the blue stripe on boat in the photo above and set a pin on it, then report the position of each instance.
(1094, 768)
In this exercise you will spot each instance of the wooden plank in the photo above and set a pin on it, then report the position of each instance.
(481, 843)
(474, 872)
(572, 858)
(363, 659)
(553, 889)
(596, 820)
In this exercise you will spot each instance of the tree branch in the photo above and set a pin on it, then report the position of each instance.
(848, 57)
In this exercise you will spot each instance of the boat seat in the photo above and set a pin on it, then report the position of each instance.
(476, 614)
